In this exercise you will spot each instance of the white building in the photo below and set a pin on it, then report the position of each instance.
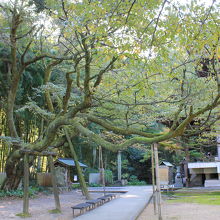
(206, 173)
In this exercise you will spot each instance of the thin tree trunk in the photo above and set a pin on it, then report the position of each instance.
(78, 168)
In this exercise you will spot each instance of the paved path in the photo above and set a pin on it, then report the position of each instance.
(126, 207)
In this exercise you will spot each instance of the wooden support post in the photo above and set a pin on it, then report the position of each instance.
(101, 169)
(54, 182)
(94, 157)
(26, 185)
(153, 179)
(157, 180)
(119, 165)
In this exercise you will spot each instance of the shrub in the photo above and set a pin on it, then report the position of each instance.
(33, 191)
(136, 183)
(95, 185)
(108, 177)
(75, 186)
(133, 178)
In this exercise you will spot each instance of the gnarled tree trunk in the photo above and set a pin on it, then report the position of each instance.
(14, 172)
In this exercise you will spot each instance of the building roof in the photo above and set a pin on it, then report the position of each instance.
(68, 162)
(202, 165)
(168, 164)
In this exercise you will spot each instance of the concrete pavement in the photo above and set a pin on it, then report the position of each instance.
(126, 207)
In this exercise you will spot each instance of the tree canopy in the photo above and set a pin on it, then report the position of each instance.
(122, 65)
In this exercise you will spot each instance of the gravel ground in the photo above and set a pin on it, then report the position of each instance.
(40, 206)
(183, 211)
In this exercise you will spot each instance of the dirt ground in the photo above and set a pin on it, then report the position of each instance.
(182, 211)
(40, 206)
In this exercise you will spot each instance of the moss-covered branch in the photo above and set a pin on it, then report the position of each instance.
(124, 131)
(144, 139)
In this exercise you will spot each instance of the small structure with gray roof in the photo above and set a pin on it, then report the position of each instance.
(166, 173)
(69, 165)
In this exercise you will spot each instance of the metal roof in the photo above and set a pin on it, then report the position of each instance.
(202, 165)
(168, 164)
(68, 162)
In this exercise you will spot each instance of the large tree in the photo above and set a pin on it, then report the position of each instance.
(120, 64)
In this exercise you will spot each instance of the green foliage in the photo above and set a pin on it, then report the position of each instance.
(155, 76)
(133, 178)
(136, 183)
(24, 215)
(95, 185)
(195, 155)
(133, 181)
(15, 193)
(125, 176)
(108, 177)
(75, 186)
(54, 211)
(33, 191)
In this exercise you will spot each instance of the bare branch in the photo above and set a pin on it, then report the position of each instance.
(101, 72)
(129, 11)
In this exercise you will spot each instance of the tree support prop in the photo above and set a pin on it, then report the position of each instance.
(153, 179)
(25, 212)
(26, 185)
(54, 182)
(155, 146)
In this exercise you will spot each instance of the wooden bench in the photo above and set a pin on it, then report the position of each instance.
(107, 198)
(82, 207)
(111, 195)
(95, 202)
(104, 199)
(91, 204)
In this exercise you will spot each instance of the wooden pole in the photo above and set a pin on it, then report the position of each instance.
(54, 182)
(119, 165)
(153, 179)
(157, 180)
(94, 156)
(26, 185)
(102, 170)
